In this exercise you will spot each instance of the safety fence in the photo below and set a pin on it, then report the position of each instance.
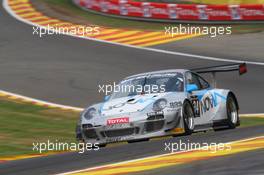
(164, 11)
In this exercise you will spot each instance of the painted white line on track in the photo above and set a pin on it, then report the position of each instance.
(150, 157)
(257, 114)
(29, 99)
(9, 10)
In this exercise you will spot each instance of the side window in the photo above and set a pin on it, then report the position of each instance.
(204, 84)
(192, 78)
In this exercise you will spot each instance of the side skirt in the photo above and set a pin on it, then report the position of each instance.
(217, 124)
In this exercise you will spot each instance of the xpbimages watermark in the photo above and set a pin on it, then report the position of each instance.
(41, 147)
(212, 31)
(190, 146)
(117, 88)
(73, 30)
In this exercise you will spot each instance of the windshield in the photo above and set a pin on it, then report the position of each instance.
(156, 83)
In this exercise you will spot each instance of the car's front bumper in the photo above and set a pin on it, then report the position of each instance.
(153, 126)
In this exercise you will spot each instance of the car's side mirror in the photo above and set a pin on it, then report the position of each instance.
(106, 98)
(192, 87)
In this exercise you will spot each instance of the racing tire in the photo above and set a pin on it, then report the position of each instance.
(102, 145)
(137, 140)
(232, 112)
(188, 118)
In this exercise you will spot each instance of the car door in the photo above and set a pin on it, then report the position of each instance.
(201, 98)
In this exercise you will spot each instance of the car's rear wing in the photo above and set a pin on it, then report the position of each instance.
(240, 67)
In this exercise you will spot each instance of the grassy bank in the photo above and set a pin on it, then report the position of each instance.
(251, 121)
(66, 7)
(24, 124)
(75, 12)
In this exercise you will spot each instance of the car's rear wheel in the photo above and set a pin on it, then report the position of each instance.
(188, 117)
(232, 112)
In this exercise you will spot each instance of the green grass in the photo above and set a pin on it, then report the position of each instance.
(251, 121)
(104, 20)
(68, 7)
(23, 124)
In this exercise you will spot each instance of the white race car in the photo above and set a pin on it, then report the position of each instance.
(181, 102)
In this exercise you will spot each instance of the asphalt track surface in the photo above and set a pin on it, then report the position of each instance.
(75, 161)
(246, 163)
(67, 70)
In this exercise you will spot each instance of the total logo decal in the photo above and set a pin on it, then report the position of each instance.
(118, 121)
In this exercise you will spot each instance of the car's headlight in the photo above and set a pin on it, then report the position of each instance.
(90, 113)
(160, 104)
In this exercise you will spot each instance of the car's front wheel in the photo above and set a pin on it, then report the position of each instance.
(188, 117)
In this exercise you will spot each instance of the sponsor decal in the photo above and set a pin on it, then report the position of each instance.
(123, 8)
(218, 12)
(118, 139)
(118, 126)
(172, 11)
(155, 113)
(202, 12)
(140, 101)
(89, 4)
(146, 10)
(235, 12)
(203, 103)
(118, 120)
(104, 6)
(175, 104)
(172, 110)
(159, 11)
(187, 12)
(133, 9)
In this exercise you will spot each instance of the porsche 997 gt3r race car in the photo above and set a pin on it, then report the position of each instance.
(183, 101)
